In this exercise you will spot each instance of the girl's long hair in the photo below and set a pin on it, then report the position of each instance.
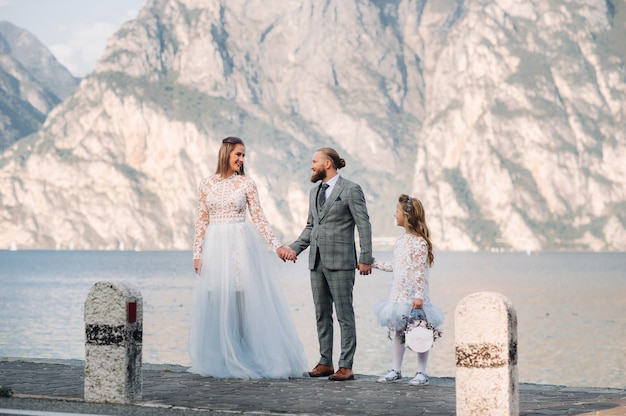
(228, 145)
(415, 221)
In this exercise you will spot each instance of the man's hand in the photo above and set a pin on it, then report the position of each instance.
(286, 253)
(365, 269)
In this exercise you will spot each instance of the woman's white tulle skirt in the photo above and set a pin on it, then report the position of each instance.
(392, 314)
(241, 326)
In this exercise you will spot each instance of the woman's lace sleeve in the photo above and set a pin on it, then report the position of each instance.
(257, 215)
(418, 264)
(385, 266)
(202, 222)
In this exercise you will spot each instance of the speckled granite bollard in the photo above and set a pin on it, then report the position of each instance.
(113, 335)
(486, 356)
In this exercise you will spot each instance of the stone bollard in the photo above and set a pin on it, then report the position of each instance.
(113, 332)
(486, 356)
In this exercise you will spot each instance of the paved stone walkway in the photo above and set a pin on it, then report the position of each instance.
(168, 390)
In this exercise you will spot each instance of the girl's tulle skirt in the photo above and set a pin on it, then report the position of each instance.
(241, 326)
(394, 314)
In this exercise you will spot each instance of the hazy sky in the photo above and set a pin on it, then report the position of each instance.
(75, 31)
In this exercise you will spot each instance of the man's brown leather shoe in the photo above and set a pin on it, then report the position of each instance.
(342, 374)
(322, 370)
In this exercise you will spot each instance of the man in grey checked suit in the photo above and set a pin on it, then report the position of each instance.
(335, 207)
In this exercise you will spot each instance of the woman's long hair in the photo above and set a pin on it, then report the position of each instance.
(223, 157)
(415, 221)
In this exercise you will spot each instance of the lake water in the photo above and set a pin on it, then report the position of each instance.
(571, 308)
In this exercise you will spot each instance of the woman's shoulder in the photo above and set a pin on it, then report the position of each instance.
(246, 180)
(216, 177)
(211, 178)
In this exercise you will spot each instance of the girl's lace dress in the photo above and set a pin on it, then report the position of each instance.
(411, 274)
(241, 326)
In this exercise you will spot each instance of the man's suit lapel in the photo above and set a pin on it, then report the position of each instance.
(313, 202)
(332, 197)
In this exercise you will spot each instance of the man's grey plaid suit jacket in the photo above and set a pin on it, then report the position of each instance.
(331, 230)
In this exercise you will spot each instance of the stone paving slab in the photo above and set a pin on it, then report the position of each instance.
(169, 390)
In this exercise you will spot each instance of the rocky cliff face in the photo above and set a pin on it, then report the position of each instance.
(32, 82)
(506, 119)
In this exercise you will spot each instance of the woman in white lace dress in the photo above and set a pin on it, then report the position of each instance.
(410, 290)
(241, 326)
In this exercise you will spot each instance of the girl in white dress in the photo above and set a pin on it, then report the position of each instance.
(241, 326)
(410, 290)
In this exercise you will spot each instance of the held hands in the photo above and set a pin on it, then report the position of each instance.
(417, 303)
(365, 269)
(197, 265)
(286, 253)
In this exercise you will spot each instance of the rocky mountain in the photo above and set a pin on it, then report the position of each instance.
(32, 82)
(505, 118)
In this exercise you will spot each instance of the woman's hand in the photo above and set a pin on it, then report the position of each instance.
(418, 303)
(197, 265)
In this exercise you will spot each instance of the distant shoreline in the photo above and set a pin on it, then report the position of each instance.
(377, 246)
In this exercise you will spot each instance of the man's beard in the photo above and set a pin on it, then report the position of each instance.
(319, 175)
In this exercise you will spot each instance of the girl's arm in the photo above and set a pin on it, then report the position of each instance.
(418, 265)
(385, 266)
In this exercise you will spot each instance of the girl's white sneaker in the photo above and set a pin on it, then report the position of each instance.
(392, 375)
(420, 379)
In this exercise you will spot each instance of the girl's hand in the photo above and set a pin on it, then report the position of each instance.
(418, 303)
(197, 265)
